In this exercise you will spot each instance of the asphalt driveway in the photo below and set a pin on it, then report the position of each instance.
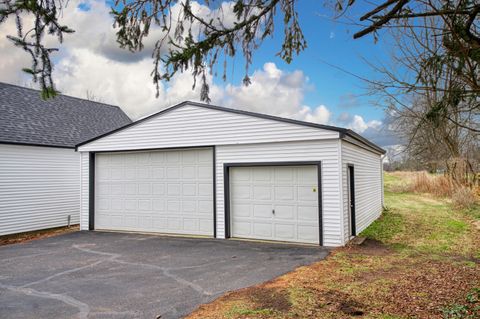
(113, 275)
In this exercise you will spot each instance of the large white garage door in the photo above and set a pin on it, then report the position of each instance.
(275, 203)
(157, 191)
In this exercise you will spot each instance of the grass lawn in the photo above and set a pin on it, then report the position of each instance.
(421, 259)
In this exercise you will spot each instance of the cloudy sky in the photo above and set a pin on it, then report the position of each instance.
(91, 63)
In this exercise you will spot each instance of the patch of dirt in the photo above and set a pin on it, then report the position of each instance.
(271, 298)
(34, 235)
(370, 247)
(476, 224)
(339, 301)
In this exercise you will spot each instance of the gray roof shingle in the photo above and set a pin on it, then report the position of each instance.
(63, 121)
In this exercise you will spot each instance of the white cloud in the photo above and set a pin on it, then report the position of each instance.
(12, 59)
(359, 125)
(321, 114)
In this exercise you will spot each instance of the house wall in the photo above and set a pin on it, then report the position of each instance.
(368, 185)
(39, 188)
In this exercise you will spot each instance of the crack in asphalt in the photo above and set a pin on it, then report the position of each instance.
(83, 308)
(66, 272)
(166, 271)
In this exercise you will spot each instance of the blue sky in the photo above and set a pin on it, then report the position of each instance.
(331, 42)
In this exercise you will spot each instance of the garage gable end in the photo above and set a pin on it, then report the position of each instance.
(192, 124)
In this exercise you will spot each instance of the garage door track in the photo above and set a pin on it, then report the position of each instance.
(113, 275)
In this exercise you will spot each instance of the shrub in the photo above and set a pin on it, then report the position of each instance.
(464, 197)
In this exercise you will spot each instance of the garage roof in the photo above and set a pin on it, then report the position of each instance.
(63, 121)
(344, 133)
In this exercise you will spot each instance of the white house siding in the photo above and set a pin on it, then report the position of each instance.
(368, 185)
(192, 125)
(38, 188)
(326, 151)
(84, 190)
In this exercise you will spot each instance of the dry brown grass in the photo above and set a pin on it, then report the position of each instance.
(464, 197)
(437, 185)
(37, 234)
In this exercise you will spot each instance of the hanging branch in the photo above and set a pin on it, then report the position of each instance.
(46, 14)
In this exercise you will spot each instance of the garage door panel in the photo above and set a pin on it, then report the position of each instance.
(188, 172)
(205, 173)
(240, 174)
(158, 173)
(284, 192)
(261, 174)
(285, 232)
(285, 212)
(243, 229)
(308, 233)
(159, 191)
(158, 205)
(308, 193)
(262, 192)
(262, 210)
(275, 203)
(240, 192)
(262, 230)
(205, 206)
(242, 210)
(205, 189)
(307, 213)
(284, 174)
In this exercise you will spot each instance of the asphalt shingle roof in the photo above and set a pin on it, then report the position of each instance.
(62, 121)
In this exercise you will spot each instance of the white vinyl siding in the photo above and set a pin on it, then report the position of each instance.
(368, 185)
(191, 125)
(39, 188)
(326, 151)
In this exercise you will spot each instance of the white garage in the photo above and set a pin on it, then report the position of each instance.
(202, 170)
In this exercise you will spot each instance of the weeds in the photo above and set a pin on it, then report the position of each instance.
(470, 309)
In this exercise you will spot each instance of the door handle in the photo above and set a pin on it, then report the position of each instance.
(273, 211)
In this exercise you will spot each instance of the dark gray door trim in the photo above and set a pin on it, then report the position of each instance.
(214, 172)
(91, 191)
(91, 178)
(351, 192)
(226, 185)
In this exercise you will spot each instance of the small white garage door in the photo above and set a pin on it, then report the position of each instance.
(157, 191)
(275, 203)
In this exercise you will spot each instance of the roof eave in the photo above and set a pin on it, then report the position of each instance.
(36, 144)
(363, 140)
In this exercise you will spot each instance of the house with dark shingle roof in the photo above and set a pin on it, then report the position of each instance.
(39, 168)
